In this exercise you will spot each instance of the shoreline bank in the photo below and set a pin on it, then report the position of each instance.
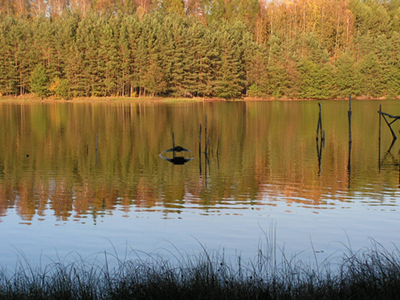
(31, 98)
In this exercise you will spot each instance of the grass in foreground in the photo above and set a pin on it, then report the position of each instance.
(368, 274)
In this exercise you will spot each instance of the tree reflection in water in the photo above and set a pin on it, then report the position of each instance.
(267, 156)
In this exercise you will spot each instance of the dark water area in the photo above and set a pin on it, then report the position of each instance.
(85, 177)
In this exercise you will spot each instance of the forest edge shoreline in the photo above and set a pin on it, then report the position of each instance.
(31, 98)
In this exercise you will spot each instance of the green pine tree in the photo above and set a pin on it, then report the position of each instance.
(39, 81)
(130, 40)
(110, 66)
(258, 74)
(229, 83)
(394, 74)
(316, 79)
(9, 69)
(346, 77)
(202, 60)
(153, 80)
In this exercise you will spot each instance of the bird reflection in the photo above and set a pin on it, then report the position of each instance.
(176, 160)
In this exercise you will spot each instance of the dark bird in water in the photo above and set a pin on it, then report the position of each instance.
(178, 160)
(177, 149)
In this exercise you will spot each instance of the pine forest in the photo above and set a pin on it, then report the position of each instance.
(277, 49)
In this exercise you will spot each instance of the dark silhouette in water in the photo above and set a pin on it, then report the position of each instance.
(320, 139)
(176, 149)
(176, 160)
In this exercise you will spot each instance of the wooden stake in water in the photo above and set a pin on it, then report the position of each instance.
(205, 137)
(350, 142)
(319, 125)
(320, 144)
(320, 130)
(200, 149)
(349, 115)
(380, 126)
(200, 140)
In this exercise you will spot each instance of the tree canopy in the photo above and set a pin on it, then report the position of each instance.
(206, 48)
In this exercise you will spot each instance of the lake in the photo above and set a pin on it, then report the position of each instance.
(79, 179)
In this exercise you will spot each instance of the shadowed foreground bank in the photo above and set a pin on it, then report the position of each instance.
(370, 274)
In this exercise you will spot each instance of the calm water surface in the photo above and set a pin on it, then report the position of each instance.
(81, 179)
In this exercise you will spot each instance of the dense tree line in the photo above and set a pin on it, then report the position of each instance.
(227, 49)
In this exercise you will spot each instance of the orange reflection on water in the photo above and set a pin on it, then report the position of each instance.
(89, 160)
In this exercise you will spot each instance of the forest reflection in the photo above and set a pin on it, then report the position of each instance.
(76, 160)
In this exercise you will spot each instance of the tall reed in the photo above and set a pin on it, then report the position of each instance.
(373, 273)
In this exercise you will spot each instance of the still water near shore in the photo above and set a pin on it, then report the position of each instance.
(78, 179)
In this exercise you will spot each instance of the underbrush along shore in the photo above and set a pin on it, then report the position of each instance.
(372, 273)
(31, 98)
